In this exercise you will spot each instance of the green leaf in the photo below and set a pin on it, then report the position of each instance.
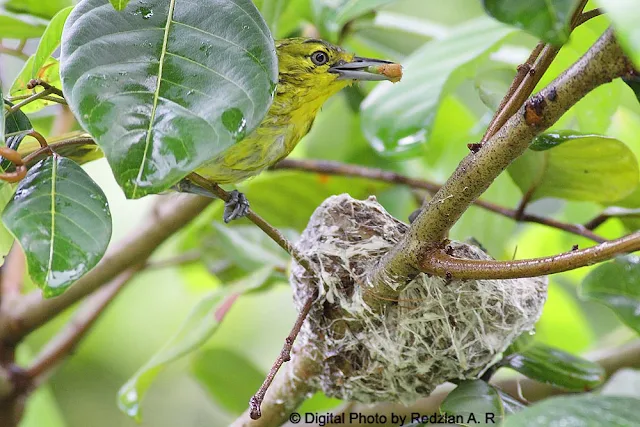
(203, 321)
(119, 5)
(18, 26)
(16, 125)
(398, 119)
(550, 20)
(271, 10)
(492, 86)
(49, 72)
(624, 15)
(510, 404)
(232, 392)
(584, 410)
(2, 118)
(50, 41)
(475, 401)
(579, 167)
(156, 85)
(61, 219)
(332, 15)
(44, 9)
(248, 246)
(553, 366)
(616, 284)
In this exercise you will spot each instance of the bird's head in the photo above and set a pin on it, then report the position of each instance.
(313, 70)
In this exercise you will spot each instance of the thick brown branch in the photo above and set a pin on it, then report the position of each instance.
(32, 311)
(342, 169)
(441, 264)
(603, 62)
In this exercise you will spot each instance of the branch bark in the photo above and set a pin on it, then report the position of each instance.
(603, 62)
(442, 264)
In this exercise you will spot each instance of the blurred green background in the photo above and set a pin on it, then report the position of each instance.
(82, 392)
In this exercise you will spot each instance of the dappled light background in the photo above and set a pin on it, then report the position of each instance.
(82, 393)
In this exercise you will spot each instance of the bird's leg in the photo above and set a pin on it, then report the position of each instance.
(236, 207)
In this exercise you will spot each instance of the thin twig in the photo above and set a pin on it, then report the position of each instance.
(611, 213)
(267, 228)
(586, 16)
(438, 262)
(67, 340)
(502, 114)
(13, 52)
(57, 145)
(336, 168)
(46, 98)
(52, 89)
(525, 81)
(31, 98)
(285, 355)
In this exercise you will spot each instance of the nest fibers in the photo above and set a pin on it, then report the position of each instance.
(436, 331)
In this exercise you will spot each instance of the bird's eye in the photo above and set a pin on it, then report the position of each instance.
(319, 58)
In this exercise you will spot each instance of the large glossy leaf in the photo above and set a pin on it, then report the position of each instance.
(212, 368)
(579, 167)
(48, 71)
(616, 284)
(45, 9)
(624, 15)
(553, 366)
(476, 401)
(61, 219)
(163, 88)
(398, 119)
(203, 321)
(585, 410)
(20, 26)
(547, 19)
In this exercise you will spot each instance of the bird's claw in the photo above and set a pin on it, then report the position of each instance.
(236, 207)
(414, 215)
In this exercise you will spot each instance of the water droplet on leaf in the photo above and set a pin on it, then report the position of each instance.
(234, 121)
(144, 11)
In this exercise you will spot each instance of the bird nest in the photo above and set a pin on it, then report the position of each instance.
(437, 330)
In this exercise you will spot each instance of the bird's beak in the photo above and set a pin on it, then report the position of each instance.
(367, 69)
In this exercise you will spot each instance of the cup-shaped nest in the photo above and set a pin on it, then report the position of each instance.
(437, 330)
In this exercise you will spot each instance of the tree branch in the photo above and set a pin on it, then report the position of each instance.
(20, 318)
(67, 340)
(442, 264)
(603, 62)
(342, 169)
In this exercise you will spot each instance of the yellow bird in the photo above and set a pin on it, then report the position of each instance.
(310, 71)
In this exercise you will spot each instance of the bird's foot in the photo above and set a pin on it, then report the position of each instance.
(236, 207)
